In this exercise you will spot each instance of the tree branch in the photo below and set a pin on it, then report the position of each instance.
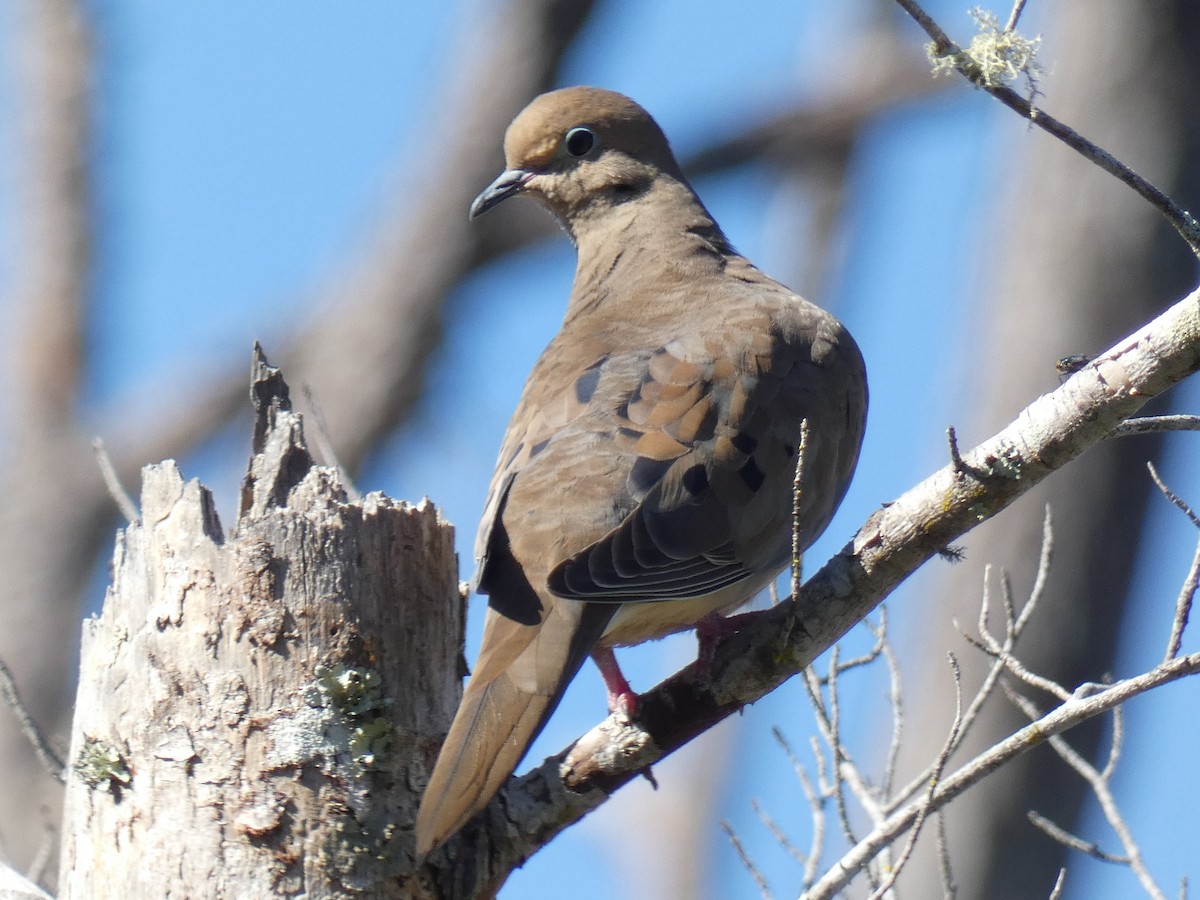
(1157, 424)
(943, 47)
(1058, 720)
(41, 746)
(1099, 783)
(46, 346)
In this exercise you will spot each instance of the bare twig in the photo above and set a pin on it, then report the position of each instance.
(1010, 604)
(895, 699)
(1156, 425)
(1187, 593)
(1183, 606)
(833, 736)
(815, 804)
(763, 887)
(1015, 15)
(1100, 787)
(116, 490)
(938, 767)
(797, 496)
(820, 821)
(990, 681)
(1059, 884)
(865, 659)
(949, 888)
(776, 832)
(846, 776)
(44, 858)
(824, 782)
(1018, 669)
(845, 772)
(1172, 496)
(1072, 841)
(1118, 741)
(955, 455)
(1014, 623)
(943, 47)
(41, 746)
(1045, 560)
(1065, 716)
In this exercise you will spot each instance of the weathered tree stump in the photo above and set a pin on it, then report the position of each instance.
(258, 711)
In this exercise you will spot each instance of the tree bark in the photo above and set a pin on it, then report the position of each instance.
(258, 711)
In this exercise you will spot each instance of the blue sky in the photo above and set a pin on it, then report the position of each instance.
(242, 152)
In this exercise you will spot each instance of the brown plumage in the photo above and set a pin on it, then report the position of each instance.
(645, 480)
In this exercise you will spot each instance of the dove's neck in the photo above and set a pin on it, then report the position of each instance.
(666, 233)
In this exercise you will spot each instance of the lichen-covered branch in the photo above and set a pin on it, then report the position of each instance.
(943, 47)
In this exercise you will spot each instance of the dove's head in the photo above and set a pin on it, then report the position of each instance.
(581, 151)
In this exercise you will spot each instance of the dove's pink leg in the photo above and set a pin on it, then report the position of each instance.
(621, 697)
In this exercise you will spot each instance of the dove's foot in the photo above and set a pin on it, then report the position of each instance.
(621, 697)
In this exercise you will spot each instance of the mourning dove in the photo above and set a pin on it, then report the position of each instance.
(645, 480)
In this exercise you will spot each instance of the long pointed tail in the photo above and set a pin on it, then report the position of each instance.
(519, 678)
(494, 726)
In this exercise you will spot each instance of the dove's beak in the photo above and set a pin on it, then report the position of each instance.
(509, 183)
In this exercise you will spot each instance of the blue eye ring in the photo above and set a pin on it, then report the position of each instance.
(579, 141)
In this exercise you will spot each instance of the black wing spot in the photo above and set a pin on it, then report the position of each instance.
(646, 473)
(744, 442)
(695, 479)
(538, 448)
(707, 427)
(629, 432)
(585, 384)
(751, 474)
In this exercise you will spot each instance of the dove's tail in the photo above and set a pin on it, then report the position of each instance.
(504, 707)
(494, 726)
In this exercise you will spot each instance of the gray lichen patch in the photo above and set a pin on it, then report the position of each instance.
(298, 738)
(343, 721)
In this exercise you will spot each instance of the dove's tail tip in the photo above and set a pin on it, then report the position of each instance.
(491, 731)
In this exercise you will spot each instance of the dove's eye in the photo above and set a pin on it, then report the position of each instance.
(579, 141)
